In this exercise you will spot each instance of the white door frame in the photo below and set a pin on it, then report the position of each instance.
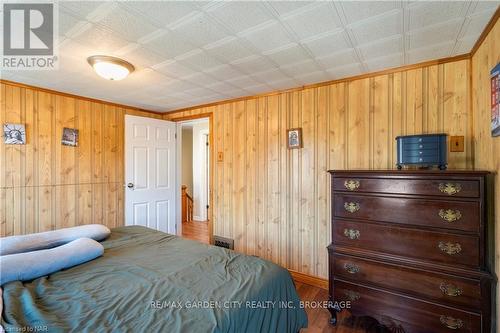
(180, 122)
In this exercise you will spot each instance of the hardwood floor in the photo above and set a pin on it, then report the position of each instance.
(196, 230)
(319, 318)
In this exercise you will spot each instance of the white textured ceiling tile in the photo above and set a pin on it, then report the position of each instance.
(243, 82)
(268, 37)
(200, 30)
(257, 89)
(381, 27)
(67, 23)
(143, 57)
(170, 45)
(80, 8)
(72, 48)
(391, 61)
(163, 13)
(465, 45)
(429, 53)
(222, 87)
(423, 14)
(283, 84)
(338, 59)
(345, 71)
(475, 25)
(381, 47)
(356, 11)
(313, 21)
(272, 75)
(254, 64)
(101, 39)
(127, 23)
(435, 34)
(175, 69)
(232, 50)
(289, 55)
(314, 77)
(200, 61)
(224, 72)
(327, 44)
(171, 92)
(200, 79)
(300, 68)
(488, 6)
(239, 16)
(199, 92)
(179, 86)
(283, 8)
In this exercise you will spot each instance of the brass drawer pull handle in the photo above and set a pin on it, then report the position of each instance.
(351, 268)
(351, 184)
(352, 295)
(450, 215)
(351, 207)
(450, 248)
(449, 289)
(450, 188)
(451, 322)
(351, 233)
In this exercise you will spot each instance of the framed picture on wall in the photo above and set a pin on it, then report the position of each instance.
(14, 134)
(70, 137)
(495, 100)
(294, 138)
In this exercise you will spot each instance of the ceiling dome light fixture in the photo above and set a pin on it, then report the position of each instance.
(110, 68)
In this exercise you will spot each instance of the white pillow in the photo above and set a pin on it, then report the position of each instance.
(31, 265)
(49, 239)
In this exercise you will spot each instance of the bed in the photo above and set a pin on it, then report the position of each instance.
(155, 282)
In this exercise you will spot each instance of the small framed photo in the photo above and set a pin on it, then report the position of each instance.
(14, 134)
(70, 137)
(294, 138)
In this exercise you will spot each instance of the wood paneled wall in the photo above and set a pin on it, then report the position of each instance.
(273, 201)
(45, 185)
(486, 147)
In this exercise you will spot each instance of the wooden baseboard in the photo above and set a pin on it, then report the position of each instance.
(309, 279)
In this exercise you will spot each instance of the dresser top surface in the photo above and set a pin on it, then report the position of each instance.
(402, 173)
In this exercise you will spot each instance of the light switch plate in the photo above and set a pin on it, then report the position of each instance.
(456, 144)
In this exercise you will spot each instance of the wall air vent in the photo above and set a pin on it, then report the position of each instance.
(224, 242)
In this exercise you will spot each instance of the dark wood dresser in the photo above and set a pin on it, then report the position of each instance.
(409, 248)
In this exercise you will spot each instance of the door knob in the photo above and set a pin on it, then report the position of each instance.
(130, 185)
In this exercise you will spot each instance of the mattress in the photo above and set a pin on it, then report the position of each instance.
(152, 281)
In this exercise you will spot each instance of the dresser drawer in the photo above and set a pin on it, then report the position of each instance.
(405, 314)
(423, 139)
(450, 214)
(408, 242)
(435, 187)
(421, 153)
(441, 287)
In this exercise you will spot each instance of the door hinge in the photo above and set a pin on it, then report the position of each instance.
(175, 136)
(208, 206)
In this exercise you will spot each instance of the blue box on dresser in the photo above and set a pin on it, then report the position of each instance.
(423, 149)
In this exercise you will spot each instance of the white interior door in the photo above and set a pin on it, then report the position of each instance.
(150, 173)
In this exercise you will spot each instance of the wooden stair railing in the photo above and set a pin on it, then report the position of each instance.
(187, 205)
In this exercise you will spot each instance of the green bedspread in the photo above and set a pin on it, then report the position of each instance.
(149, 281)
